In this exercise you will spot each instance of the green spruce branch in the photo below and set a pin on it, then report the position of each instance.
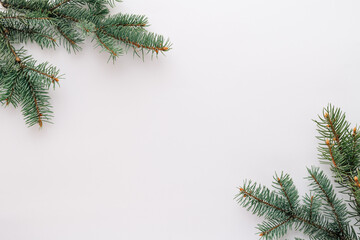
(51, 23)
(321, 214)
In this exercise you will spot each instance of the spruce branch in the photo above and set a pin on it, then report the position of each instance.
(343, 150)
(50, 24)
(322, 214)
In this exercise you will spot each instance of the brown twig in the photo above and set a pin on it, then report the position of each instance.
(59, 5)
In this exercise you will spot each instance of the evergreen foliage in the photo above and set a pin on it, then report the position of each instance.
(321, 214)
(50, 23)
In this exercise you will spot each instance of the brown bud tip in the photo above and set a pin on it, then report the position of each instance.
(354, 130)
(334, 139)
(241, 189)
(165, 48)
(56, 79)
(261, 234)
(40, 123)
(356, 178)
(327, 142)
(328, 125)
(278, 179)
(17, 59)
(326, 115)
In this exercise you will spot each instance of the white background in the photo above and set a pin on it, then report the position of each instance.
(155, 149)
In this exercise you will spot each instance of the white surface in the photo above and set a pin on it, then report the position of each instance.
(155, 150)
